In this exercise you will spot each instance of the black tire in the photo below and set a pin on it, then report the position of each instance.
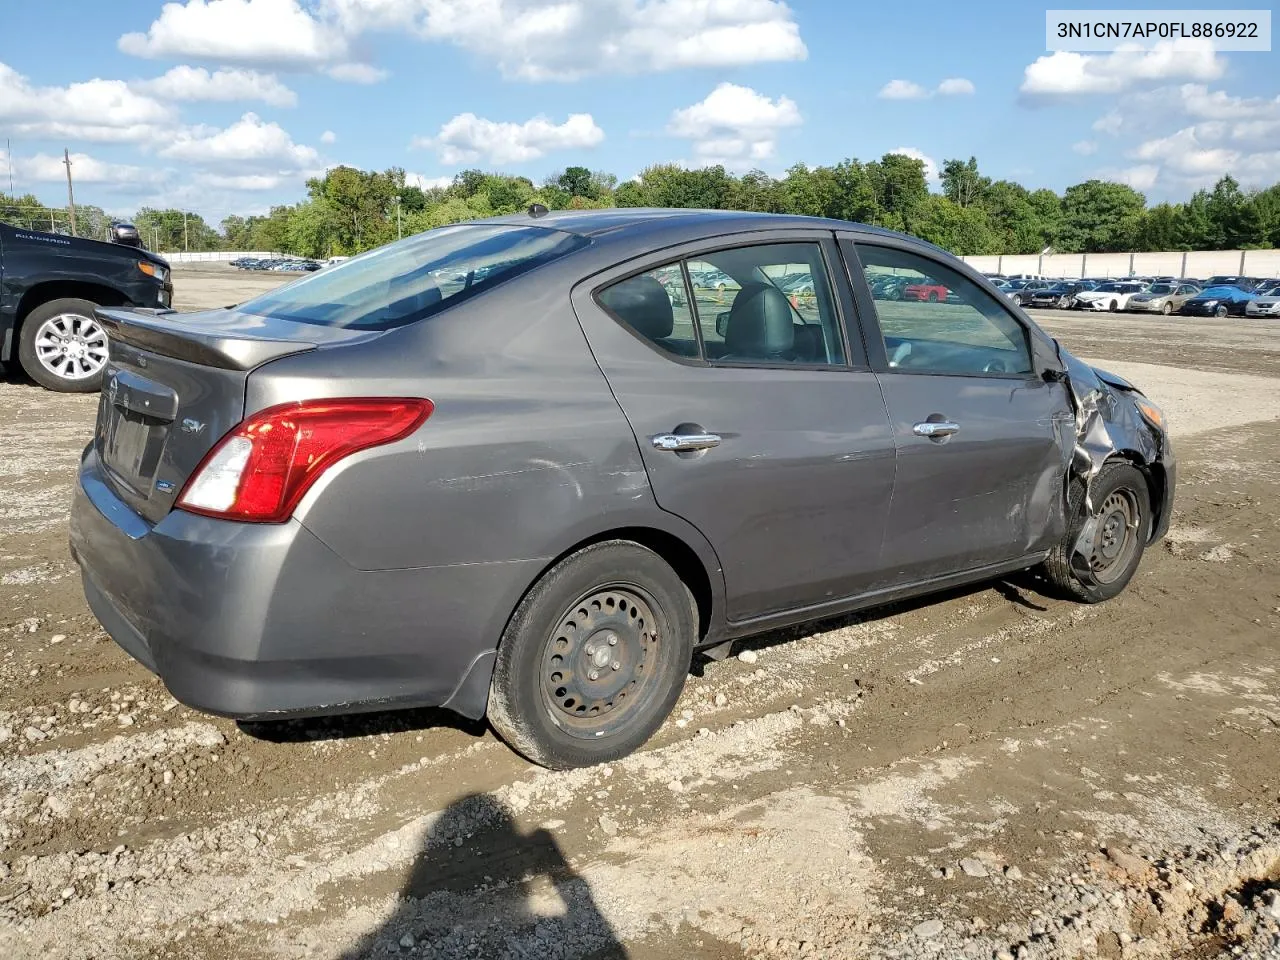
(27, 350)
(1116, 479)
(537, 703)
(1113, 306)
(933, 296)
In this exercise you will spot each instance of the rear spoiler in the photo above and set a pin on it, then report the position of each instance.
(159, 331)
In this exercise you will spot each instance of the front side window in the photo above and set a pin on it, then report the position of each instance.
(955, 328)
(414, 278)
(766, 304)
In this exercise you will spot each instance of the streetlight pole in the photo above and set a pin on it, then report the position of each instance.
(71, 197)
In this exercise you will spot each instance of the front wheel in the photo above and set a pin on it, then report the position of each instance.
(594, 658)
(1113, 306)
(1166, 308)
(63, 347)
(1220, 312)
(1121, 504)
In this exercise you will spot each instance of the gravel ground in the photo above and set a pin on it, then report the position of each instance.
(990, 773)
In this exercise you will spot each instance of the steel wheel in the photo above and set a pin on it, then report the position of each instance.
(597, 670)
(1116, 540)
(71, 346)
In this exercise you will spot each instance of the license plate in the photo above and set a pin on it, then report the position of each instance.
(131, 447)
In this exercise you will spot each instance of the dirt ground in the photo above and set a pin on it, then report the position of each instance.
(989, 773)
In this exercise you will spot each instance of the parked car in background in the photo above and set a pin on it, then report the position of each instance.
(1164, 298)
(49, 288)
(1058, 295)
(925, 289)
(526, 497)
(1107, 296)
(1243, 283)
(1265, 304)
(1020, 291)
(1218, 301)
(890, 286)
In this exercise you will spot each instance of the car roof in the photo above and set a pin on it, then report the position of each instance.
(673, 225)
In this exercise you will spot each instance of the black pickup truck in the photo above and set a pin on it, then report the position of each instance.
(49, 285)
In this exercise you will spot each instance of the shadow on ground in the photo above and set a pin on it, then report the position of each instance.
(480, 887)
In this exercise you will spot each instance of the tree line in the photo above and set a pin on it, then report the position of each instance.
(350, 210)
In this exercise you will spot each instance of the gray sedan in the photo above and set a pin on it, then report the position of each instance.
(525, 467)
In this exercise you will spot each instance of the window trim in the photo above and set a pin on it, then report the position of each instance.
(849, 244)
(681, 254)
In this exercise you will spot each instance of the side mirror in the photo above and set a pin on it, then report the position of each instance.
(722, 324)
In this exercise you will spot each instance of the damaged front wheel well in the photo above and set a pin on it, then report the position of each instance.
(1156, 481)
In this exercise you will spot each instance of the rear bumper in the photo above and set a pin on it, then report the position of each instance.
(256, 621)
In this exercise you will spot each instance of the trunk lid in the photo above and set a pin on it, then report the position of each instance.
(175, 384)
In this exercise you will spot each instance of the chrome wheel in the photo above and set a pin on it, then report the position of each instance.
(597, 669)
(71, 346)
(1117, 537)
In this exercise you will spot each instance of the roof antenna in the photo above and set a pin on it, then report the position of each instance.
(537, 210)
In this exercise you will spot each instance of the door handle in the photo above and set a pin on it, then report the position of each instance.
(684, 442)
(935, 430)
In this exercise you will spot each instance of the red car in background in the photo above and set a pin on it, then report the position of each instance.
(925, 290)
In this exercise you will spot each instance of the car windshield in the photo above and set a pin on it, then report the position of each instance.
(1161, 288)
(413, 278)
(1112, 288)
(1270, 291)
(1061, 288)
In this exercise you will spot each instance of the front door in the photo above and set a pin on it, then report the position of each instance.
(983, 441)
(756, 421)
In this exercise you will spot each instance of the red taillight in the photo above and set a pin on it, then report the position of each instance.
(259, 471)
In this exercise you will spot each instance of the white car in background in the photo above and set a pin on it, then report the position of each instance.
(1267, 304)
(1109, 296)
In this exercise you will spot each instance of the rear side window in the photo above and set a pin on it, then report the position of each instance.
(414, 278)
(655, 306)
(761, 305)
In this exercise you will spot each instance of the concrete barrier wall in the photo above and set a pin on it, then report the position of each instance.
(214, 256)
(1192, 263)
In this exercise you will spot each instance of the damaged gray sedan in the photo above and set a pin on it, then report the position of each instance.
(525, 467)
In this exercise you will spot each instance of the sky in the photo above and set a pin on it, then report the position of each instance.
(228, 106)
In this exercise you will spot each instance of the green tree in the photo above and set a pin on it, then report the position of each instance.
(1100, 216)
(1158, 229)
(961, 182)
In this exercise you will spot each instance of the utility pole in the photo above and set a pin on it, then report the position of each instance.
(399, 229)
(71, 197)
(8, 155)
(185, 243)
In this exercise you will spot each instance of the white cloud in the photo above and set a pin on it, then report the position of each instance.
(930, 165)
(1085, 147)
(1214, 133)
(1142, 177)
(734, 126)
(47, 168)
(96, 110)
(427, 183)
(910, 90)
(527, 39)
(238, 31)
(956, 87)
(567, 39)
(357, 73)
(248, 141)
(197, 83)
(902, 90)
(328, 137)
(248, 181)
(466, 138)
(1065, 73)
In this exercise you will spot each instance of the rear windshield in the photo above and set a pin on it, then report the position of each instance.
(413, 278)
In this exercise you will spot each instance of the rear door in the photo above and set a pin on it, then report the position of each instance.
(757, 420)
(982, 439)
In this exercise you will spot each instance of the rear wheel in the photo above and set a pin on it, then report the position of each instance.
(63, 347)
(594, 658)
(1122, 514)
